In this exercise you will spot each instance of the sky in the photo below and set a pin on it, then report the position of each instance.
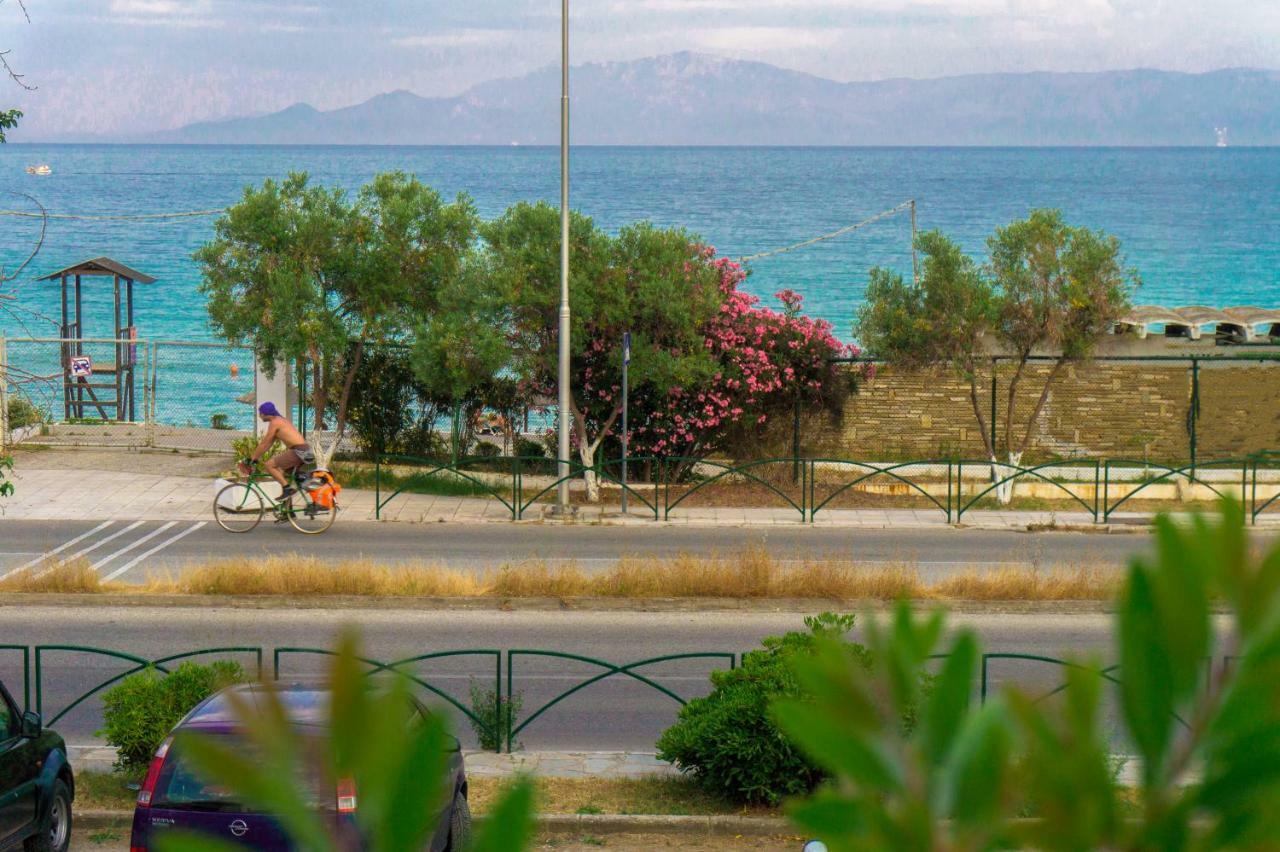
(122, 66)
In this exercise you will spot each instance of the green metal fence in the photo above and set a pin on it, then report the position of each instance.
(610, 669)
(492, 728)
(504, 728)
(809, 486)
(139, 664)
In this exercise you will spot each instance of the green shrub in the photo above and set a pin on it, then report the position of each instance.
(492, 715)
(23, 413)
(530, 449)
(484, 449)
(729, 742)
(139, 711)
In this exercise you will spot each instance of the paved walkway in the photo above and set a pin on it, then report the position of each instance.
(68, 494)
(482, 764)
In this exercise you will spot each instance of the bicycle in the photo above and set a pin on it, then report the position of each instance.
(240, 506)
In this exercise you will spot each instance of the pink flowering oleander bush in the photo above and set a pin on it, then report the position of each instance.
(765, 361)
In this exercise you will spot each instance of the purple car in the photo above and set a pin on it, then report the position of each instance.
(173, 796)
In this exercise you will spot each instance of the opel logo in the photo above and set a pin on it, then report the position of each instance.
(239, 827)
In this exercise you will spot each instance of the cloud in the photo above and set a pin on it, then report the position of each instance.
(458, 38)
(148, 7)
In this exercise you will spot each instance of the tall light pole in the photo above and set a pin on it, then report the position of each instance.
(562, 490)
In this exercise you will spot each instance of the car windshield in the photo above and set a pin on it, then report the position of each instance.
(182, 787)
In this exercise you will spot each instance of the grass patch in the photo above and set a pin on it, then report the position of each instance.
(752, 573)
(108, 791)
(659, 794)
(401, 478)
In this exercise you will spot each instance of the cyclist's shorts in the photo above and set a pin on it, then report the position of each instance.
(296, 457)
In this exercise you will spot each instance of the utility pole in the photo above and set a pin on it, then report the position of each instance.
(562, 490)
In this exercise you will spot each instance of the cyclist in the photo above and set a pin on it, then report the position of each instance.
(297, 451)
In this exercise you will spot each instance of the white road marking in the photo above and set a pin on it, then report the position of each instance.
(122, 551)
(42, 557)
(102, 541)
(159, 547)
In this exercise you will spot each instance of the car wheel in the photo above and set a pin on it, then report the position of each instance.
(56, 836)
(459, 824)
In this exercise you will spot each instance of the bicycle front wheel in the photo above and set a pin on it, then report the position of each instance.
(238, 507)
(310, 517)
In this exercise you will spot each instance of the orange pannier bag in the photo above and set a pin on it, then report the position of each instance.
(326, 494)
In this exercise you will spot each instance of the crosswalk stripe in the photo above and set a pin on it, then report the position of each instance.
(159, 547)
(122, 551)
(115, 535)
(42, 557)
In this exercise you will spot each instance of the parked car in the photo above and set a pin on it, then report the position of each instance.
(36, 784)
(174, 796)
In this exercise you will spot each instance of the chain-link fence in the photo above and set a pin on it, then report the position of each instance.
(202, 395)
(126, 393)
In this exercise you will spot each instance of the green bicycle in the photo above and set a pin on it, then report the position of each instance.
(241, 506)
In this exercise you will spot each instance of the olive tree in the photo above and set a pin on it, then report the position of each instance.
(659, 284)
(1047, 289)
(305, 273)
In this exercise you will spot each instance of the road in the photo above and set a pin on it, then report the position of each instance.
(128, 550)
(614, 714)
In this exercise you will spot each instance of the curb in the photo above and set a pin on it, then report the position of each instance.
(142, 600)
(676, 826)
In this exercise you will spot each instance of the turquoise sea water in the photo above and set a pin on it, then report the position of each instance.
(1201, 225)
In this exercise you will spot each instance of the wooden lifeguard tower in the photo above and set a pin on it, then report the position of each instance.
(99, 388)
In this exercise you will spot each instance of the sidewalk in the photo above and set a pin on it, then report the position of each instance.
(480, 764)
(67, 493)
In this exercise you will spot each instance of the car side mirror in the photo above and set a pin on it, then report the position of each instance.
(32, 724)
(453, 744)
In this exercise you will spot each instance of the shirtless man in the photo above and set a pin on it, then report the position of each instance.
(295, 454)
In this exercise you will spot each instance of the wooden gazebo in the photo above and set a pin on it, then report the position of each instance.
(100, 387)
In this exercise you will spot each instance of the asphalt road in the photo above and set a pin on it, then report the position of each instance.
(613, 714)
(128, 550)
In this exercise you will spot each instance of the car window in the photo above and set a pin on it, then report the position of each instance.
(8, 718)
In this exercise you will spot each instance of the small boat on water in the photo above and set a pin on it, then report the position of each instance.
(42, 169)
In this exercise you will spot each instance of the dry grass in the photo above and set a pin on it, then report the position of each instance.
(750, 574)
(73, 576)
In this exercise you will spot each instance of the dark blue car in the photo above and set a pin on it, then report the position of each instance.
(174, 796)
(36, 785)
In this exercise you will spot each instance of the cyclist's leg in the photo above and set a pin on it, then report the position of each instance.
(276, 471)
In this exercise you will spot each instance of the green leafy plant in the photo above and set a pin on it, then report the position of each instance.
(23, 413)
(396, 758)
(729, 742)
(493, 715)
(1200, 705)
(244, 447)
(139, 711)
(6, 487)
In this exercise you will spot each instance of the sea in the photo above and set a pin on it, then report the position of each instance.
(1200, 225)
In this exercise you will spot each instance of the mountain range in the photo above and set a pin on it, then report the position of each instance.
(696, 99)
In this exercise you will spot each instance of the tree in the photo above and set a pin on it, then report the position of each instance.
(1047, 289)
(1021, 772)
(9, 118)
(656, 283)
(302, 273)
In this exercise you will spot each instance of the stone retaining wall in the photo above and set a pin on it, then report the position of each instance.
(1103, 409)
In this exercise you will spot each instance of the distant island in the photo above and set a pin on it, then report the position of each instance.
(696, 99)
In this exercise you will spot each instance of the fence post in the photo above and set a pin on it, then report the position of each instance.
(377, 486)
(4, 397)
(153, 358)
(517, 492)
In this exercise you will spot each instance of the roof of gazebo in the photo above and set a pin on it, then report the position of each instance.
(100, 266)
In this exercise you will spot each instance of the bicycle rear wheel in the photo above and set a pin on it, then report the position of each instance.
(238, 507)
(310, 517)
